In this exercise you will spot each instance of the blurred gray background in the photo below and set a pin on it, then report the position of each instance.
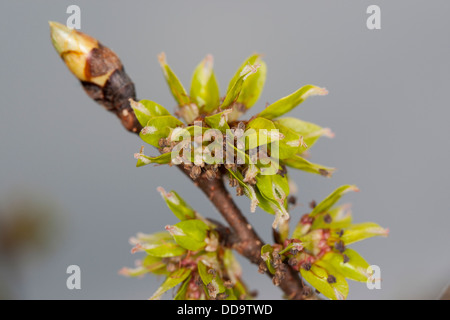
(388, 105)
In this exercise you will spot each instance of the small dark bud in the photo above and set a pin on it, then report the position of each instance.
(198, 281)
(307, 266)
(312, 204)
(196, 171)
(306, 291)
(327, 219)
(339, 246)
(292, 200)
(210, 174)
(276, 281)
(212, 271)
(233, 183)
(162, 142)
(346, 258)
(262, 268)
(331, 279)
(222, 296)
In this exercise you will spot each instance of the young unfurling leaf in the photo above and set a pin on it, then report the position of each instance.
(288, 103)
(177, 89)
(338, 217)
(146, 109)
(350, 264)
(301, 163)
(332, 199)
(210, 278)
(309, 132)
(254, 84)
(174, 279)
(328, 281)
(219, 121)
(204, 88)
(266, 255)
(361, 231)
(157, 128)
(235, 87)
(190, 234)
(179, 207)
(248, 189)
(143, 160)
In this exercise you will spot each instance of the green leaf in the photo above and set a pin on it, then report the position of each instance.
(154, 265)
(190, 234)
(341, 218)
(248, 189)
(332, 199)
(157, 128)
(275, 189)
(208, 277)
(230, 294)
(249, 61)
(254, 84)
(177, 89)
(159, 244)
(179, 207)
(204, 88)
(174, 279)
(310, 132)
(262, 127)
(288, 103)
(235, 86)
(165, 249)
(218, 121)
(266, 255)
(146, 109)
(300, 163)
(292, 142)
(240, 290)
(232, 266)
(143, 160)
(361, 231)
(149, 264)
(356, 268)
(318, 278)
(181, 293)
(204, 274)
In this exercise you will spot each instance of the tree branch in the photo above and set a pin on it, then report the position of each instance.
(244, 240)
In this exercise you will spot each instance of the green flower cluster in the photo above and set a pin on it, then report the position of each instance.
(286, 141)
(318, 249)
(191, 257)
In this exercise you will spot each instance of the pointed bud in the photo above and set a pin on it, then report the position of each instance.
(100, 71)
(82, 54)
